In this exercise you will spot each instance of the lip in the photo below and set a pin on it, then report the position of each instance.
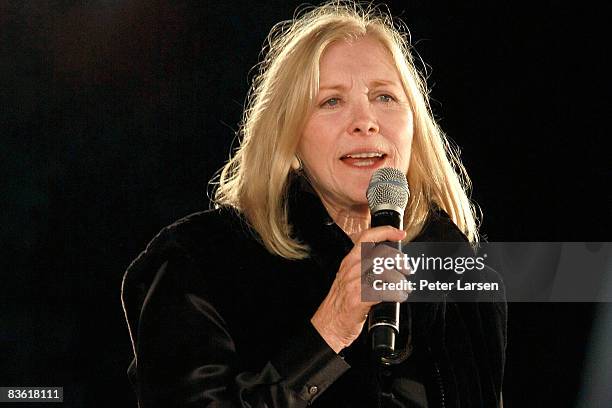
(370, 163)
(364, 151)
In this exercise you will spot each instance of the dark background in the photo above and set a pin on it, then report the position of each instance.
(115, 114)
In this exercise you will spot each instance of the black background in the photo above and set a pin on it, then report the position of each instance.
(115, 114)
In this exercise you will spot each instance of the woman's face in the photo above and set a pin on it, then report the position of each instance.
(361, 122)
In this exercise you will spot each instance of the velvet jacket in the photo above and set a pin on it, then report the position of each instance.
(218, 321)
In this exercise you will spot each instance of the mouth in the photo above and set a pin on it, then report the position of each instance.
(365, 160)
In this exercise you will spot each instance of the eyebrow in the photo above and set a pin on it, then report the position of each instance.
(382, 82)
(373, 84)
(332, 88)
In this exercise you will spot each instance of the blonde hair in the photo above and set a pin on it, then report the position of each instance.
(254, 181)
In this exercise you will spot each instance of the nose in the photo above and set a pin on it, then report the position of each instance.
(363, 120)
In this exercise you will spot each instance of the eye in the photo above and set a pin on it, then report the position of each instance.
(385, 98)
(331, 103)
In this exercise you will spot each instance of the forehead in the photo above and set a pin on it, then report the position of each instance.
(365, 58)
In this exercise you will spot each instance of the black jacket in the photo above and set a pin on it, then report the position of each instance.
(217, 321)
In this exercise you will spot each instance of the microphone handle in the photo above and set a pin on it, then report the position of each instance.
(383, 319)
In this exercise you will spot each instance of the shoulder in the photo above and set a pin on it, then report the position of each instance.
(196, 235)
(439, 227)
(201, 239)
(197, 230)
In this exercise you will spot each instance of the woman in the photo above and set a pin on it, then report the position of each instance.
(257, 302)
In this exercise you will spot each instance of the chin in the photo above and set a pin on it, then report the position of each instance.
(357, 193)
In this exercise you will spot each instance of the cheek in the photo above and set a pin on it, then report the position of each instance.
(400, 131)
(308, 141)
(315, 152)
(317, 142)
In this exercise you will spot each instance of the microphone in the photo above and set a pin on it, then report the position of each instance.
(387, 198)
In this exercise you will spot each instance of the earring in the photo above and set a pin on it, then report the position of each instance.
(296, 164)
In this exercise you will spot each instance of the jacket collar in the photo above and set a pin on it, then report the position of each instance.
(313, 225)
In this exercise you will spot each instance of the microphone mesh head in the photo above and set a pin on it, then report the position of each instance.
(388, 188)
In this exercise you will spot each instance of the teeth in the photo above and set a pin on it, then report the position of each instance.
(364, 163)
(364, 155)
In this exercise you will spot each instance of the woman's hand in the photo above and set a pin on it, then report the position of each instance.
(340, 317)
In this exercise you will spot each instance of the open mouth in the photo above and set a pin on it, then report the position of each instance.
(364, 159)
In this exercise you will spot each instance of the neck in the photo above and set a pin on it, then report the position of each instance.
(353, 220)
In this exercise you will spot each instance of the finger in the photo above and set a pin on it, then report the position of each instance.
(351, 264)
(377, 234)
(366, 306)
(382, 257)
(380, 234)
(378, 258)
(390, 286)
(397, 289)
